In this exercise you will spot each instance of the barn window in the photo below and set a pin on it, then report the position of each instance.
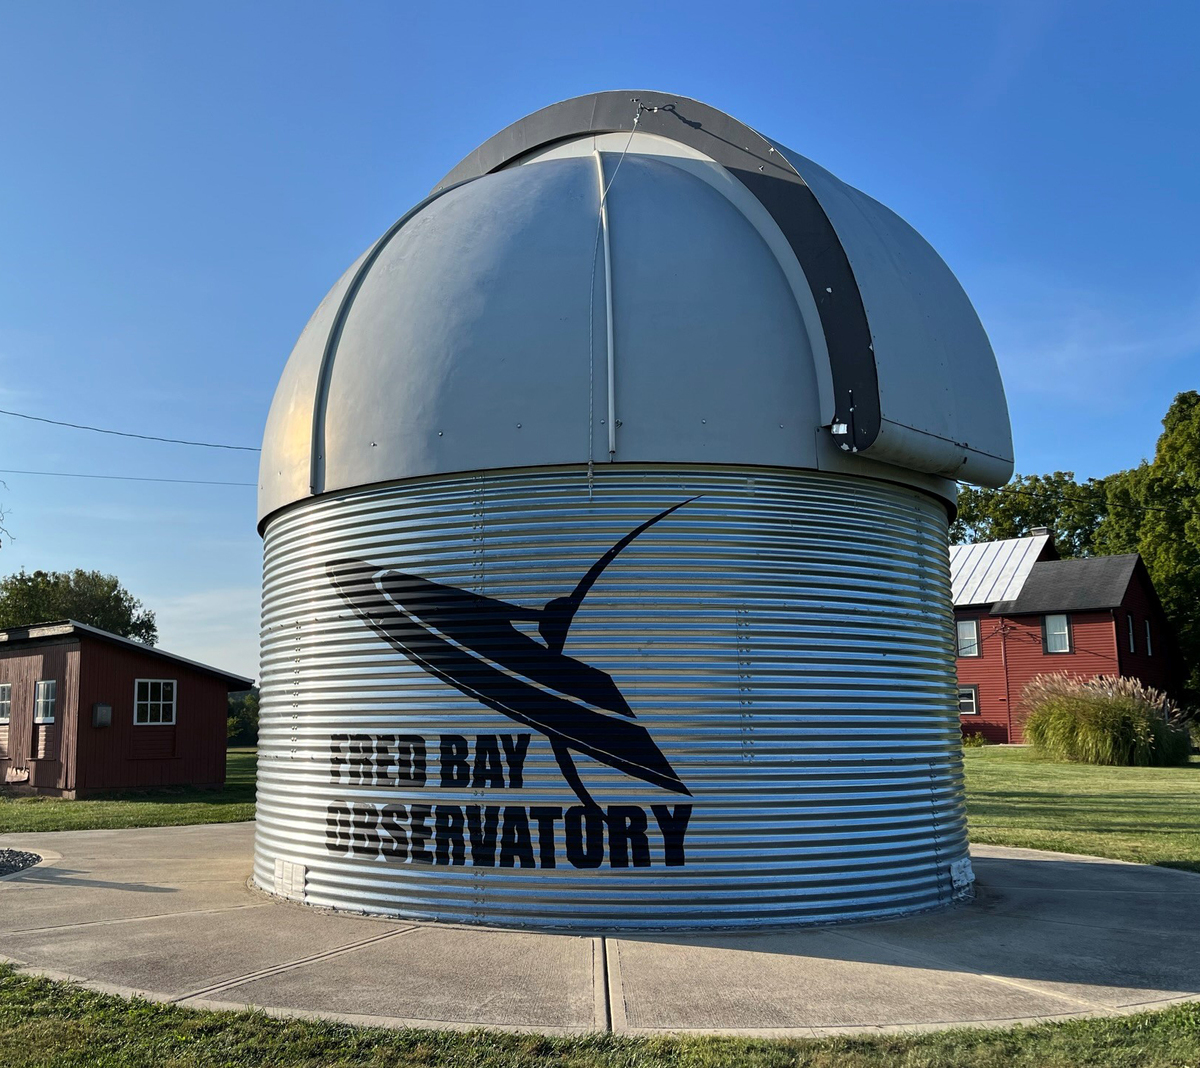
(1149, 647)
(5, 701)
(43, 701)
(1056, 634)
(968, 700)
(968, 637)
(1130, 620)
(154, 702)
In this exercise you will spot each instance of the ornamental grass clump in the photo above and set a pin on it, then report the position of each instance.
(1104, 721)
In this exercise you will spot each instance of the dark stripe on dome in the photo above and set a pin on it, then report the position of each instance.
(768, 176)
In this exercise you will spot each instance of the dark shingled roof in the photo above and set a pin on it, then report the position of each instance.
(1091, 584)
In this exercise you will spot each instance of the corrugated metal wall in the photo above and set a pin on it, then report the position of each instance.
(784, 639)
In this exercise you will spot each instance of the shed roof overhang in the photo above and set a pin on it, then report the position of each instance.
(68, 628)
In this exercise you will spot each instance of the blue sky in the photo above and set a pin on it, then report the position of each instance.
(181, 183)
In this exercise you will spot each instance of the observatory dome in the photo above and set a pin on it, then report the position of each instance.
(604, 505)
(728, 300)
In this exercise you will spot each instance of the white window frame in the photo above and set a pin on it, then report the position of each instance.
(1047, 634)
(5, 703)
(1149, 646)
(151, 703)
(45, 696)
(1131, 646)
(958, 638)
(974, 692)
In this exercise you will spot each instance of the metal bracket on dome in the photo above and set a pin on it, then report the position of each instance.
(754, 161)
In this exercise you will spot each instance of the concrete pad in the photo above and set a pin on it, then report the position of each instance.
(793, 984)
(1090, 891)
(176, 956)
(1094, 966)
(448, 975)
(100, 876)
(167, 912)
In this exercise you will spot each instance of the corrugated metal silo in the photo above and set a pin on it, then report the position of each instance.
(605, 504)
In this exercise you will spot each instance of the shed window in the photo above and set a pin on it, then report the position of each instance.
(968, 637)
(5, 701)
(968, 700)
(1056, 634)
(1149, 647)
(43, 701)
(154, 702)
(1130, 620)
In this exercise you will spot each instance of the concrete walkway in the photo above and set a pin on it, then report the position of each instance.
(166, 913)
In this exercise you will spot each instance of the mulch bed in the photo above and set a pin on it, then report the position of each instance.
(13, 860)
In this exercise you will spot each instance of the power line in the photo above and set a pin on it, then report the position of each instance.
(126, 478)
(1101, 501)
(126, 434)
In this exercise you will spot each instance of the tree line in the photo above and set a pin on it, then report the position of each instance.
(1152, 509)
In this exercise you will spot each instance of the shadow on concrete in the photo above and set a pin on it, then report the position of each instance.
(1058, 921)
(59, 876)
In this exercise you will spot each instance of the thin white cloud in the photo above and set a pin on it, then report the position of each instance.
(1025, 25)
(1081, 347)
(217, 627)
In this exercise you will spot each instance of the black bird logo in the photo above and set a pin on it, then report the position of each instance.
(469, 641)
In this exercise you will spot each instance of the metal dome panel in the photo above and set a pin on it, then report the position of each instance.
(470, 342)
(744, 305)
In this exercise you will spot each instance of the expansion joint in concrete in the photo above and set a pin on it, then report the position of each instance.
(137, 919)
(291, 965)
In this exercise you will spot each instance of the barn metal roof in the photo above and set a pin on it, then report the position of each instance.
(1090, 584)
(66, 628)
(992, 571)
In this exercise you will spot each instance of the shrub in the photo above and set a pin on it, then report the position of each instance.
(973, 739)
(1104, 721)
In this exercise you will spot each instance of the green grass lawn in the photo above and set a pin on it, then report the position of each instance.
(1147, 815)
(169, 807)
(46, 1024)
(1151, 815)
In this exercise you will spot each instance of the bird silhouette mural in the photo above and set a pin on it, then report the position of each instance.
(470, 642)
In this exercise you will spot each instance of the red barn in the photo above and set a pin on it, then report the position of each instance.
(83, 710)
(1020, 611)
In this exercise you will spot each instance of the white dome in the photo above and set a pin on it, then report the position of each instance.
(475, 334)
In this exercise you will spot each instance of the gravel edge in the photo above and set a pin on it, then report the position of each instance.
(15, 860)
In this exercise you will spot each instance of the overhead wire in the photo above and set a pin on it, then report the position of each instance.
(125, 478)
(1059, 496)
(127, 434)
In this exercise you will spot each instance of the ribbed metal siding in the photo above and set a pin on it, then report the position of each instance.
(785, 639)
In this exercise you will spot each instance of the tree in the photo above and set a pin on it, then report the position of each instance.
(1154, 509)
(84, 596)
(4, 531)
(241, 727)
(1070, 510)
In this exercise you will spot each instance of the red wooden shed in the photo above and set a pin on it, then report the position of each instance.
(83, 710)
(1020, 611)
